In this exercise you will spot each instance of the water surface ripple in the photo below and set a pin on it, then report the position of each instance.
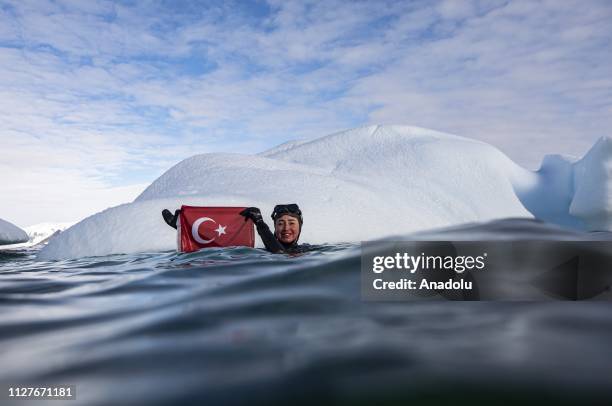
(242, 326)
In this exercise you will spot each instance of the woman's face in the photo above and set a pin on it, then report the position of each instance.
(286, 229)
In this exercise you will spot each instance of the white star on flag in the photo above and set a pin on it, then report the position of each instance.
(220, 230)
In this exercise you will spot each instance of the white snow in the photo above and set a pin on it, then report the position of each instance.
(592, 199)
(11, 234)
(40, 234)
(359, 184)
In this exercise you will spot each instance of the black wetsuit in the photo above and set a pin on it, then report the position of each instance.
(275, 246)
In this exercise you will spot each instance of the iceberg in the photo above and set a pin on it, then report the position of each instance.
(40, 234)
(11, 234)
(592, 199)
(360, 184)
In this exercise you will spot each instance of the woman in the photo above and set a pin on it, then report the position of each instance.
(287, 228)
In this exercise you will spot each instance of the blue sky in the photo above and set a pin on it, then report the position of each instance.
(101, 97)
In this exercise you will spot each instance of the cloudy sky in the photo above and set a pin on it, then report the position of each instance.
(99, 98)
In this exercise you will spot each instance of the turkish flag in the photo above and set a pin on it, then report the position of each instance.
(204, 227)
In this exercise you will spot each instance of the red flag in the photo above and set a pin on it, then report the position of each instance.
(204, 227)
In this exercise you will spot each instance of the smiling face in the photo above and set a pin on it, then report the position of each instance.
(286, 229)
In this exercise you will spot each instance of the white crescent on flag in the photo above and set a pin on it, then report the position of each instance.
(195, 227)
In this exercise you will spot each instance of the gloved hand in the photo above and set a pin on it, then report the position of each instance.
(252, 213)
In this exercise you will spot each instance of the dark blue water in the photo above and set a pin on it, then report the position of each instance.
(241, 326)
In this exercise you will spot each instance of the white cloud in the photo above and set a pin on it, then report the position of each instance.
(98, 90)
(452, 9)
(32, 196)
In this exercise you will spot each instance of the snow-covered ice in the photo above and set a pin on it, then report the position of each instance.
(11, 234)
(359, 184)
(40, 234)
(592, 200)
